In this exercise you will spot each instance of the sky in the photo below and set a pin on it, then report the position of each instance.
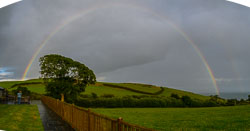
(168, 43)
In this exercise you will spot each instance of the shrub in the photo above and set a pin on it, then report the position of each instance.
(84, 95)
(186, 100)
(25, 91)
(108, 95)
(176, 96)
(94, 95)
(146, 101)
(35, 96)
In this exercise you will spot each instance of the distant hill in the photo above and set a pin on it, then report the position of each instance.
(104, 88)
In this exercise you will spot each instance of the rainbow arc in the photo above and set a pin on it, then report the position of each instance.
(98, 7)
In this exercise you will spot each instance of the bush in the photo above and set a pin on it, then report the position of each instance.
(144, 101)
(176, 96)
(94, 95)
(84, 95)
(108, 95)
(129, 101)
(25, 91)
(35, 96)
(186, 100)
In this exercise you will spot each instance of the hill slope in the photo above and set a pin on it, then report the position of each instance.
(102, 88)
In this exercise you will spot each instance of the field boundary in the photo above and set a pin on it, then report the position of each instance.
(86, 120)
(26, 83)
(133, 90)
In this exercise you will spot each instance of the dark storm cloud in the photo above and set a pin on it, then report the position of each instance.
(128, 44)
(116, 43)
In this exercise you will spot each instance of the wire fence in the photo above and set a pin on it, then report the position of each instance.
(85, 120)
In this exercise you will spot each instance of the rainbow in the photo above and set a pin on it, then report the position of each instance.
(94, 8)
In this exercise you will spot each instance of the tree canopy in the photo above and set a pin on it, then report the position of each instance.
(65, 76)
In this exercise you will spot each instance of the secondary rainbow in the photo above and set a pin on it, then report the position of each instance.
(94, 8)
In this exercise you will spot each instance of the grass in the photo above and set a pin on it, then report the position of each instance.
(37, 88)
(8, 84)
(139, 87)
(216, 118)
(20, 117)
(169, 91)
(100, 89)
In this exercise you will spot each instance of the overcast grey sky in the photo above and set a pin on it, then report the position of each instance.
(133, 40)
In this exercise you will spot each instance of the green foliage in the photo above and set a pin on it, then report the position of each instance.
(94, 95)
(142, 101)
(176, 96)
(25, 91)
(84, 96)
(217, 100)
(35, 96)
(186, 100)
(63, 75)
(235, 118)
(108, 95)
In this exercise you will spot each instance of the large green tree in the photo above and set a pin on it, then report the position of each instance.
(64, 77)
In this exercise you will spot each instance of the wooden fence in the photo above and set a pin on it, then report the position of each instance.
(85, 120)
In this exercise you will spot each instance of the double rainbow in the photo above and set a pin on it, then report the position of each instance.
(98, 7)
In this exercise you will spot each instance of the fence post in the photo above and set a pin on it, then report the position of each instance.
(72, 106)
(62, 97)
(119, 124)
(89, 120)
(59, 112)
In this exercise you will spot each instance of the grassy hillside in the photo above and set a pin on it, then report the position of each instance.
(169, 91)
(139, 87)
(216, 118)
(37, 88)
(100, 88)
(8, 84)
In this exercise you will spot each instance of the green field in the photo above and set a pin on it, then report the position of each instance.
(139, 87)
(37, 88)
(20, 117)
(169, 91)
(8, 84)
(216, 118)
(100, 89)
(213, 118)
